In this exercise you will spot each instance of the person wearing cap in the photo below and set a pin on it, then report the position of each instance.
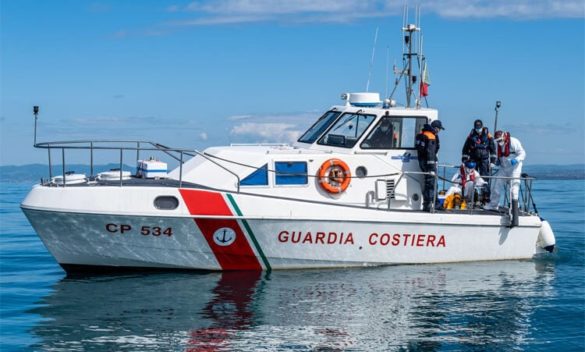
(510, 157)
(427, 146)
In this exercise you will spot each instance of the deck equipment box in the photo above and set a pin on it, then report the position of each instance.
(151, 169)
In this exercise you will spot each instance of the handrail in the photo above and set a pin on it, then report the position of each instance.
(524, 187)
(93, 145)
(65, 144)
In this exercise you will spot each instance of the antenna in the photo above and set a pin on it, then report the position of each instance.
(498, 105)
(387, 69)
(372, 60)
(36, 113)
(419, 56)
(405, 17)
(417, 21)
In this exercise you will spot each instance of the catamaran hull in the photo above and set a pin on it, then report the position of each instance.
(80, 240)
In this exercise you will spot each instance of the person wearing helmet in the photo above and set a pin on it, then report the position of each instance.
(510, 157)
(466, 180)
(427, 146)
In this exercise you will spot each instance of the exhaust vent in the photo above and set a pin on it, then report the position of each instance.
(390, 189)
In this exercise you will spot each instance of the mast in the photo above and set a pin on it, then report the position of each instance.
(411, 53)
(410, 77)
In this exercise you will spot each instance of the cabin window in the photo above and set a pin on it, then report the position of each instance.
(291, 173)
(393, 132)
(257, 178)
(347, 130)
(166, 202)
(319, 127)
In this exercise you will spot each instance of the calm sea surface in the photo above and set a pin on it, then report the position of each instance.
(534, 305)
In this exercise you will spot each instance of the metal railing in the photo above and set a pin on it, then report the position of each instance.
(528, 204)
(92, 146)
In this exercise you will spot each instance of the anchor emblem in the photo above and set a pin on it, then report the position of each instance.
(224, 236)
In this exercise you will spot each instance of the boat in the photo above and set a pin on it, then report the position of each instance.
(337, 197)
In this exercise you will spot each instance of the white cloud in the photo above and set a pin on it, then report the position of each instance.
(266, 132)
(203, 136)
(278, 7)
(209, 21)
(239, 117)
(271, 128)
(209, 12)
(518, 9)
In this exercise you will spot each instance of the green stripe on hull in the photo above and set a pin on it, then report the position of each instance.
(249, 230)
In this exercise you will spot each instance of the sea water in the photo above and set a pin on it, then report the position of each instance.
(528, 305)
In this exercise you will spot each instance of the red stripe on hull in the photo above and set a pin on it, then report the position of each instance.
(205, 203)
(236, 256)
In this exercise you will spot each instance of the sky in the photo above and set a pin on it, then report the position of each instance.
(196, 74)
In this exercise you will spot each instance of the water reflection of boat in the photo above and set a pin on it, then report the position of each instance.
(425, 307)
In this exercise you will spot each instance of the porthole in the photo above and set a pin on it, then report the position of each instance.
(361, 172)
(415, 197)
(166, 202)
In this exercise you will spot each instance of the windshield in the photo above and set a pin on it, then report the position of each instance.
(319, 127)
(347, 130)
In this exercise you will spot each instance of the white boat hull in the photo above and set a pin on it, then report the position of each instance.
(212, 233)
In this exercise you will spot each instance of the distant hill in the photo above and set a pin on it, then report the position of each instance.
(34, 172)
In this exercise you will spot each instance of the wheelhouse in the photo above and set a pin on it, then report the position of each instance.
(353, 129)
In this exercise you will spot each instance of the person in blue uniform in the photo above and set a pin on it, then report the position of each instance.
(480, 148)
(427, 146)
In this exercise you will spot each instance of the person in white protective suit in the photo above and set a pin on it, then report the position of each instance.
(510, 158)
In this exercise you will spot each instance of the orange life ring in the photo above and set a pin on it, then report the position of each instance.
(334, 176)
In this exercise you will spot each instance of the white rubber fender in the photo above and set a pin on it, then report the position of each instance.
(70, 179)
(113, 175)
(546, 237)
